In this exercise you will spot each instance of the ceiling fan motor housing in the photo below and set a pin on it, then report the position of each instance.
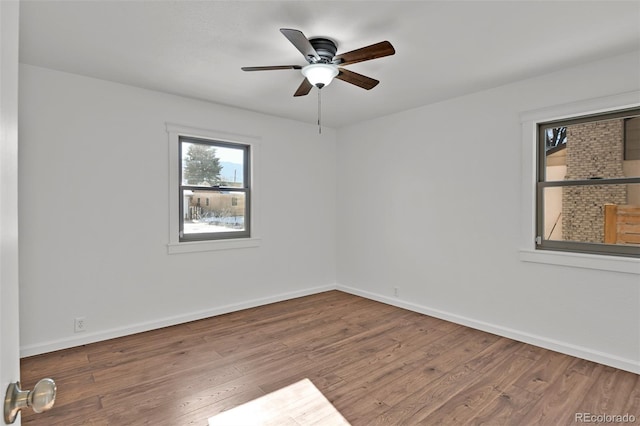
(326, 49)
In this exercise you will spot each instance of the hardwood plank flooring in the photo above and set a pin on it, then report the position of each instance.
(377, 364)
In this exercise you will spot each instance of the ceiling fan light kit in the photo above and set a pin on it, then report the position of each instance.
(324, 65)
(320, 75)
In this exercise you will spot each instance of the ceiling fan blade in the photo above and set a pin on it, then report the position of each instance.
(378, 50)
(357, 79)
(276, 67)
(301, 43)
(304, 88)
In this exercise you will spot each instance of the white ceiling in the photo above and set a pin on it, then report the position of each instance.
(443, 48)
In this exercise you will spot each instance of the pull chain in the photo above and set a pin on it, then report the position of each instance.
(319, 112)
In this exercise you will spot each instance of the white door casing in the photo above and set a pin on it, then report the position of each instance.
(9, 321)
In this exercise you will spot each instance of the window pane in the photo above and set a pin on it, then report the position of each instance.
(632, 138)
(592, 150)
(593, 213)
(213, 211)
(209, 165)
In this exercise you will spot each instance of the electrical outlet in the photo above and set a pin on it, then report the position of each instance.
(79, 325)
(396, 292)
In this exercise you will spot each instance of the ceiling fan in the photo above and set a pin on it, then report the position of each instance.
(323, 63)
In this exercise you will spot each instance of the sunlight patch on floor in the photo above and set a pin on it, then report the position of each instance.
(298, 404)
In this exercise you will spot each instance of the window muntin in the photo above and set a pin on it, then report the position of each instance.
(214, 192)
(581, 169)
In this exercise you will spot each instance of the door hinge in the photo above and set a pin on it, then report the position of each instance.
(538, 240)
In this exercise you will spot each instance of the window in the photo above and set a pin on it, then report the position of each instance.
(588, 186)
(214, 192)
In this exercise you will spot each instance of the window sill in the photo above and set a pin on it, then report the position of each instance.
(579, 260)
(199, 246)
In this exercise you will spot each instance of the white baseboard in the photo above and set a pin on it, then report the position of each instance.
(86, 338)
(543, 342)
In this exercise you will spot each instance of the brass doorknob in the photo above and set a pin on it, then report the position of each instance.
(40, 399)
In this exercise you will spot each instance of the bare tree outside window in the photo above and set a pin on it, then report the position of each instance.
(555, 137)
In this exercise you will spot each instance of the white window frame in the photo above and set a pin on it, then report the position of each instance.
(176, 246)
(529, 121)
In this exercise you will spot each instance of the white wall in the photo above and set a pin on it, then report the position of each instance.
(446, 228)
(448, 240)
(94, 191)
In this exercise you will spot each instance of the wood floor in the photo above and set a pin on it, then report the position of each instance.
(377, 364)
